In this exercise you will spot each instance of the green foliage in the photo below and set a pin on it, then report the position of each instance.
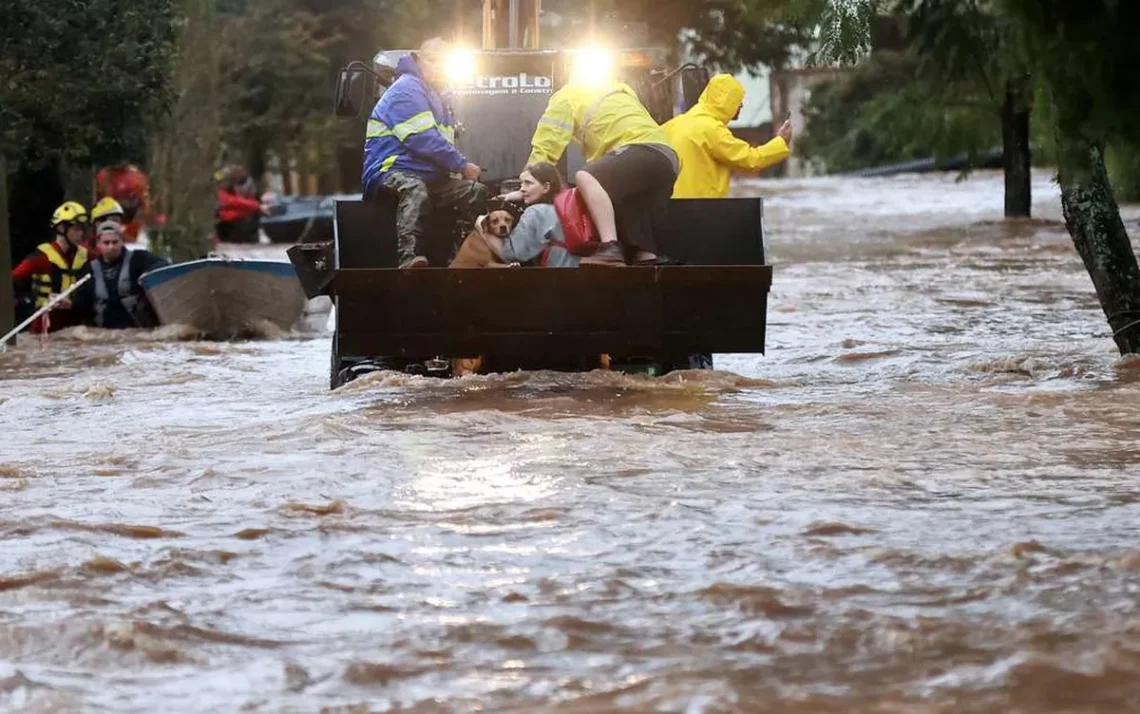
(185, 148)
(82, 81)
(285, 64)
(1088, 49)
(729, 34)
(882, 113)
(942, 97)
(1123, 161)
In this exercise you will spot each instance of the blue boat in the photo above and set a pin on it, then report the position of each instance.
(226, 298)
(301, 219)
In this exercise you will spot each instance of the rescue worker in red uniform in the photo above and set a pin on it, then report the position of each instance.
(55, 266)
(239, 209)
(131, 189)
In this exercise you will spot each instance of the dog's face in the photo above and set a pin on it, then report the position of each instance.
(500, 223)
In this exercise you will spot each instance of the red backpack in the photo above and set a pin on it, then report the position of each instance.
(577, 224)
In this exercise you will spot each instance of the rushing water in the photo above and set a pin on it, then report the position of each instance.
(924, 498)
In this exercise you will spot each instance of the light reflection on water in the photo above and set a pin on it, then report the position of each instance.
(923, 498)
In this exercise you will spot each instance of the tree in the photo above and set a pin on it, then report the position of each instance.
(730, 34)
(82, 85)
(967, 42)
(186, 147)
(1084, 53)
(888, 110)
(955, 83)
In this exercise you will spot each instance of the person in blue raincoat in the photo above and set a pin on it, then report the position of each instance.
(409, 148)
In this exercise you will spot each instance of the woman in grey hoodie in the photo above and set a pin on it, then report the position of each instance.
(538, 236)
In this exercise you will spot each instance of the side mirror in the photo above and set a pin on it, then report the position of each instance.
(693, 82)
(352, 92)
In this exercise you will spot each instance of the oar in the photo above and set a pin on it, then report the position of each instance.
(52, 303)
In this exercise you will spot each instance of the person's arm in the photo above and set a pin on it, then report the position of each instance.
(35, 263)
(554, 132)
(526, 242)
(739, 154)
(237, 202)
(142, 262)
(150, 261)
(420, 134)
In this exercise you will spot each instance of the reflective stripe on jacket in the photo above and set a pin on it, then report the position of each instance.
(601, 119)
(707, 147)
(62, 274)
(410, 130)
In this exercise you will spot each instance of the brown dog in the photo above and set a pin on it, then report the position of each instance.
(474, 252)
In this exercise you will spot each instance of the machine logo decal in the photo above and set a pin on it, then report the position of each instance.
(500, 85)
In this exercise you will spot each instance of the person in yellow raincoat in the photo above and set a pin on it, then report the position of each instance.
(630, 168)
(709, 151)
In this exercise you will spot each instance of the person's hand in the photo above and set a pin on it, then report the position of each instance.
(471, 172)
(64, 303)
(265, 210)
(512, 197)
(785, 132)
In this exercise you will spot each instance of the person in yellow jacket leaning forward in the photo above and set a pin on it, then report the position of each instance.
(709, 151)
(630, 168)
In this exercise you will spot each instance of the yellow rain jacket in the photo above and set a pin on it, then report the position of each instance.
(708, 149)
(600, 118)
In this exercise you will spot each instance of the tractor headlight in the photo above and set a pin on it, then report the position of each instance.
(459, 67)
(593, 65)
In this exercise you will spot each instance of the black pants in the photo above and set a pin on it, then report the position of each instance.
(639, 181)
(243, 231)
(418, 199)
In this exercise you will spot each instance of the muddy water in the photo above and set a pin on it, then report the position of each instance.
(925, 498)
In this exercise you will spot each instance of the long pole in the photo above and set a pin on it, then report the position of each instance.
(536, 13)
(7, 304)
(514, 24)
(52, 303)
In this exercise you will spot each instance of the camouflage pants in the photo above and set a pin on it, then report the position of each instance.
(418, 199)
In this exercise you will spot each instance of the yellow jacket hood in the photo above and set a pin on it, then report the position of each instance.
(723, 97)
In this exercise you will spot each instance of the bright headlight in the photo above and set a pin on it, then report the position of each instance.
(593, 65)
(459, 67)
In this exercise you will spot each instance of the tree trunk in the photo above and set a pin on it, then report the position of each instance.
(1093, 219)
(1015, 141)
(7, 306)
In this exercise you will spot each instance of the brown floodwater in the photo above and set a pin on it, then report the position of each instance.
(924, 498)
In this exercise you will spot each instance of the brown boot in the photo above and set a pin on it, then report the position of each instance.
(608, 255)
(417, 262)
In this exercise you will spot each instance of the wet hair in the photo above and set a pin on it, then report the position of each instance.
(546, 173)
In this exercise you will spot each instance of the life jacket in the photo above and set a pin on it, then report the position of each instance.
(131, 303)
(577, 225)
(62, 275)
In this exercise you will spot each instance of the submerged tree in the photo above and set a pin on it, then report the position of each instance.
(1084, 53)
(968, 42)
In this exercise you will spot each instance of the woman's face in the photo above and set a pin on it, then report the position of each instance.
(532, 190)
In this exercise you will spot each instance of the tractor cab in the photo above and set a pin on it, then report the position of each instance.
(639, 319)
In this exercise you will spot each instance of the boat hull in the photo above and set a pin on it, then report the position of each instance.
(227, 299)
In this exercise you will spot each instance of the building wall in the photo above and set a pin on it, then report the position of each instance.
(757, 109)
